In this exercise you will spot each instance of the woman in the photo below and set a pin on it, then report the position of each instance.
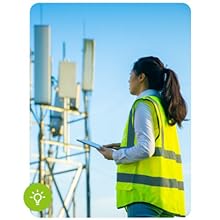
(149, 168)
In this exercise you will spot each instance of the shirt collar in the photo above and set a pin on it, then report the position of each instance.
(148, 92)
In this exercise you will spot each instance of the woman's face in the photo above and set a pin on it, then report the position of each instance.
(134, 83)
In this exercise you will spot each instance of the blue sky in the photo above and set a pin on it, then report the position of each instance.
(123, 33)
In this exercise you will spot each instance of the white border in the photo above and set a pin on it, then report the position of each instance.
(14, 51)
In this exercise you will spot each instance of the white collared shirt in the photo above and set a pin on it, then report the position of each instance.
(144, 131)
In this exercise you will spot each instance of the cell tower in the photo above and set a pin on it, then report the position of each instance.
(56, 155)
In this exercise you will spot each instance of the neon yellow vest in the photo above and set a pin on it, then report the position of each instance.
(157, 180)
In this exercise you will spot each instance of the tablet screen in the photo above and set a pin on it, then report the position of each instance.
(90, 143)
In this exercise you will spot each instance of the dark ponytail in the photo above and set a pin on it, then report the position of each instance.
(173, 101)
(165, 81)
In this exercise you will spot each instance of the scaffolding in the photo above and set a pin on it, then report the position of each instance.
(47, 160)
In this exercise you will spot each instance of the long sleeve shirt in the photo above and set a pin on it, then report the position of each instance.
(144, 131)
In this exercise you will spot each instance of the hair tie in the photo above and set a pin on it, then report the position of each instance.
(165, 70)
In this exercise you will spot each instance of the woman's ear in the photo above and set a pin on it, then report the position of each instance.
(142, 77)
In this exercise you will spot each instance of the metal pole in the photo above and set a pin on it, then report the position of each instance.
(87, 153)
(41, 148)
(65, 125)
(41, 151)
(74, 205)
(64, 51)
(49, 179)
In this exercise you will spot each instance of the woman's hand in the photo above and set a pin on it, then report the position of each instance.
(106, 152)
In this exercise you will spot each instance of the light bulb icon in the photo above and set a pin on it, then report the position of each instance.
(37, 196)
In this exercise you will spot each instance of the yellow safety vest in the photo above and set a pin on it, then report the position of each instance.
(157, 180)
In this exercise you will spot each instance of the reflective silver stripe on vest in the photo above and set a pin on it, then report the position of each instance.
(149, 180)
(167, 154)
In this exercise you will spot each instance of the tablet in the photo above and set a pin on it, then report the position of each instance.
(90, 143)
